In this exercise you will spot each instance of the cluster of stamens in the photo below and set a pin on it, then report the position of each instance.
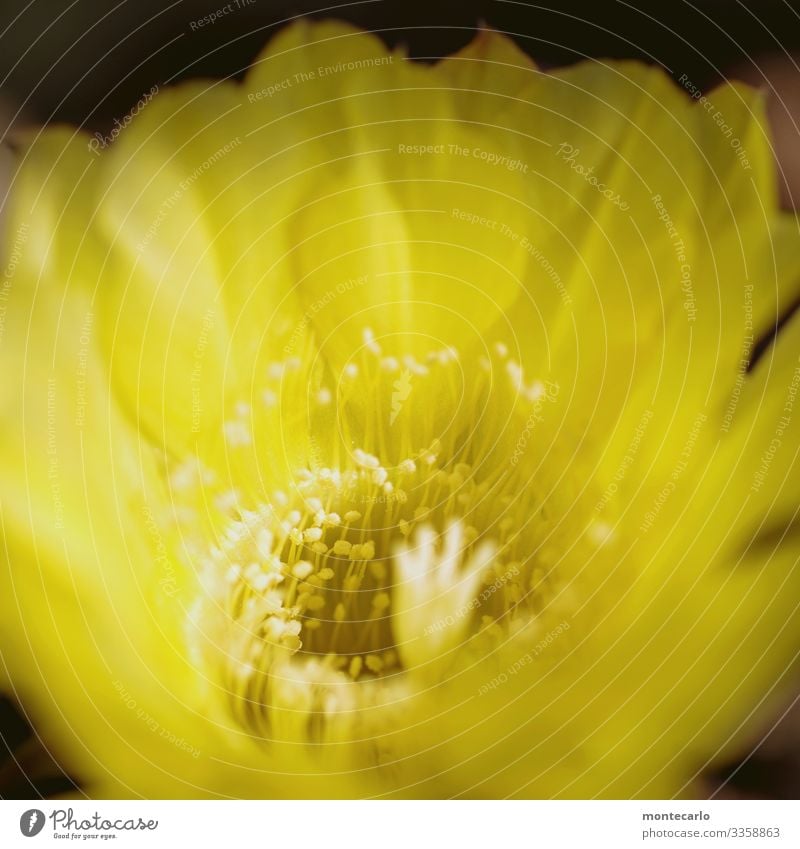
(385, 559)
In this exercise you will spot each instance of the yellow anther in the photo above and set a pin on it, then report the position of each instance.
(374, 663)
(312, 534)
(381, 601)
(302, 569)
(356, 665)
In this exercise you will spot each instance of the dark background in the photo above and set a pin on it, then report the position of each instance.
(88, 61)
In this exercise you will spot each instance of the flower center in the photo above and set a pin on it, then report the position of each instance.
(398, 555)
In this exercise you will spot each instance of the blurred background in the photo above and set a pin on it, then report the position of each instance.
(87, 62)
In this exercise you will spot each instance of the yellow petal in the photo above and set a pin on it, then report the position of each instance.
(90, 585)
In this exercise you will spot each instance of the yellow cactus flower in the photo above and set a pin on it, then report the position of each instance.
(381, 429)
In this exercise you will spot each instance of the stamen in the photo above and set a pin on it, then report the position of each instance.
(412, 536)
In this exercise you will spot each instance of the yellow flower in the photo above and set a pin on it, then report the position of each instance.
(375, 429)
